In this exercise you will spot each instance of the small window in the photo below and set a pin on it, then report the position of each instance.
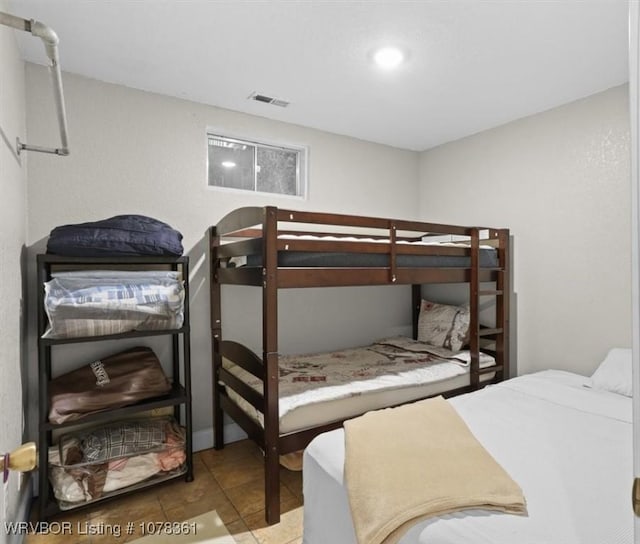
(257, 167)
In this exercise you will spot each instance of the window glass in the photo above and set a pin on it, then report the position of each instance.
(253, 166)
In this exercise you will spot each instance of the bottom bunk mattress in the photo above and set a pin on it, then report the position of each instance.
(320, 388)
(568, 447)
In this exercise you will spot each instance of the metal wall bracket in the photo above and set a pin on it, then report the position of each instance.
(50, 40)
(63, 151)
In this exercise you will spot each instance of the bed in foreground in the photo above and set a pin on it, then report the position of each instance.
(564, 439)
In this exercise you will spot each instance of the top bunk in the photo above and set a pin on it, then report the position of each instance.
(254, 245)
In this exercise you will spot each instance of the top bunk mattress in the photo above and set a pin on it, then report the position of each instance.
(298, 259)
(418, 254)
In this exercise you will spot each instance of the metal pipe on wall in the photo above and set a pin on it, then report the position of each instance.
(50, 40)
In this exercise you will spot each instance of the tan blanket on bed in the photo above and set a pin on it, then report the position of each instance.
(417, 461)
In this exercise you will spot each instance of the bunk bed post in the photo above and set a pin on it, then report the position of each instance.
(474, 309)
(502, 303)
(216, 337)
(270, 359)
(416, 300)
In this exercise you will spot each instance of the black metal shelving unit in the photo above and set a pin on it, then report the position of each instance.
(179, 397)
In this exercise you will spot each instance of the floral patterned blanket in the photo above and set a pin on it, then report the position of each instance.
(390, 363)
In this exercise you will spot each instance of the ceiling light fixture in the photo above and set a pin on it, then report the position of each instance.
(228, 164)
(388, 57)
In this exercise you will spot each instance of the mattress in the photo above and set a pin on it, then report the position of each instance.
(488, 258)
(320, 388)
(293, 258)
(567, 446)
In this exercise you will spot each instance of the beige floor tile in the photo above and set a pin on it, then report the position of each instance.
(241, 533)
(289, 529)
(230, 453)
(229, 476)
(198, 464)
(201, 487)
(129, 529)
(56, 536)
(218, 502)
(67, 526)
(293, 481)
(249, 498)
(140, 529)
(73, 515)
(246, 459)
(126, 509)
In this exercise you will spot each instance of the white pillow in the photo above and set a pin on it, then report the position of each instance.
(614, 373)
(443, 325)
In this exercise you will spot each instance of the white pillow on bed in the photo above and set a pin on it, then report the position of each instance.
(443, 325)
(614, 373)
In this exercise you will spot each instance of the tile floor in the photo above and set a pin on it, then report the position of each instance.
(230, 481)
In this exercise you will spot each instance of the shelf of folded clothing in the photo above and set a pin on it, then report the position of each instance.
(177, 395)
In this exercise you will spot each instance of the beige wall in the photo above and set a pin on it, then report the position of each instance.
(560, 181)
(138, 152)
(13, 183)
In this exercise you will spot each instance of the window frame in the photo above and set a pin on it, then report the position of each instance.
(302, 166)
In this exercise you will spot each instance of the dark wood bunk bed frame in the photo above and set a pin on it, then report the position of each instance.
(255, 231)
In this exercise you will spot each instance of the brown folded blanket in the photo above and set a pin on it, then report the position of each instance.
(417, 461)
(120, 379)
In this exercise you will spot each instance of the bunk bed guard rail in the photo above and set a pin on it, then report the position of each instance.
(257, 231)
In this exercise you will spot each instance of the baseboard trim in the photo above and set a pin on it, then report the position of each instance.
(203, 440)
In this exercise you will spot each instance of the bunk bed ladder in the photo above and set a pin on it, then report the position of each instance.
(502, 304)
(501, 294)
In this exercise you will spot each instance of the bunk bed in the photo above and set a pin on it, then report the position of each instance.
(272, 248)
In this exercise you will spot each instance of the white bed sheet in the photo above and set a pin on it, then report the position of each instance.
(569, 448)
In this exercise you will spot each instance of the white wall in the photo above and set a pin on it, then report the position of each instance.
(138, 152)
(560, 181)
(13, 183)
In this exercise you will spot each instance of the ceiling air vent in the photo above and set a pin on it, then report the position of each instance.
(268, 100)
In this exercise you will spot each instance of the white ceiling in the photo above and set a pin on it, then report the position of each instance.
(472, 64)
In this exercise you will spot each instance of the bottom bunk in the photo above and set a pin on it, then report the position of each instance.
(316, 393)
(321, 388)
